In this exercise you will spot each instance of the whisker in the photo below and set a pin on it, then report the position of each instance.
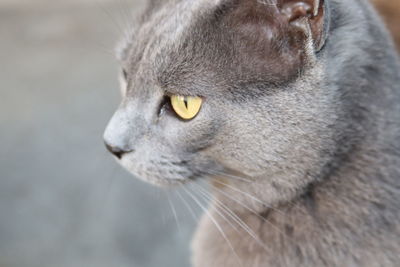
(115, 22)
(210, 198)
(294, 204)
(251, 210)
(215, 223)
(127, 19)
(250, 196)
(99, 47)
(186, 203)
(230, 176)
(174, 212)
(242, 178)
(234, 216)
(159, 194)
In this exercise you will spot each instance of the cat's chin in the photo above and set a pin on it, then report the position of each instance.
(156, 177)
(160, 181)
(164, 182)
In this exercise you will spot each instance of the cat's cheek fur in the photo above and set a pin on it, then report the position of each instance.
(270, 137)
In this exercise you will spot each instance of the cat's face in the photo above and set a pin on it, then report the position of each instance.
(255, 69)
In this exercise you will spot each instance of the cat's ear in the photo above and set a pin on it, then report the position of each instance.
(295, 19)
(311, 15)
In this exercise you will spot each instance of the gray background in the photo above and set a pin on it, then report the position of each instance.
(63, 199)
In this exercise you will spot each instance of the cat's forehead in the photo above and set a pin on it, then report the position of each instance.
(155, 48)
(198, 47)
(163, 23)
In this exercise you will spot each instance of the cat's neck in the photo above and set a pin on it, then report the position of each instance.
(365, 180)
(330, 217)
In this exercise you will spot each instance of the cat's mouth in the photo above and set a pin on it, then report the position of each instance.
(158, 172)
(166, 172)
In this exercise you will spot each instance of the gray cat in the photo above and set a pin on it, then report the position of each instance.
(291, 108)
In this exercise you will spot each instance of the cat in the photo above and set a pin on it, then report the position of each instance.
(288, 108)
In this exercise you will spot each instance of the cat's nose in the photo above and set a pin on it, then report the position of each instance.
(116, 151)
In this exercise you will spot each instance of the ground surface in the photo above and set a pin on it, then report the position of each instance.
(63, 200)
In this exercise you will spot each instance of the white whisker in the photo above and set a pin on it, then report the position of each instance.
(283, 182)
(208, 198)
(234, 216)
(174, 213)
(112, 19)
(215, 223)
(230, 176)
(185, 202)
(250, 209)
(126, 17)
(250, 196)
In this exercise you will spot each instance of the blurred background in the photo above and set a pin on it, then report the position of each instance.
(64, 201)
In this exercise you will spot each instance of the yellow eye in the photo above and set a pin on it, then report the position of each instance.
(186, 107)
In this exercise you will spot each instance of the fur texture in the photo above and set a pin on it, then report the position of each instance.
(303, 109)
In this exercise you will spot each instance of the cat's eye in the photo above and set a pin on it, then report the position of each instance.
(187, 107)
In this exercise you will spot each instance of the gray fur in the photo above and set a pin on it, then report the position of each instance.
(322, 147)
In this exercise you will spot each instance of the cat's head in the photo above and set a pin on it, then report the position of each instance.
(254, 67)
